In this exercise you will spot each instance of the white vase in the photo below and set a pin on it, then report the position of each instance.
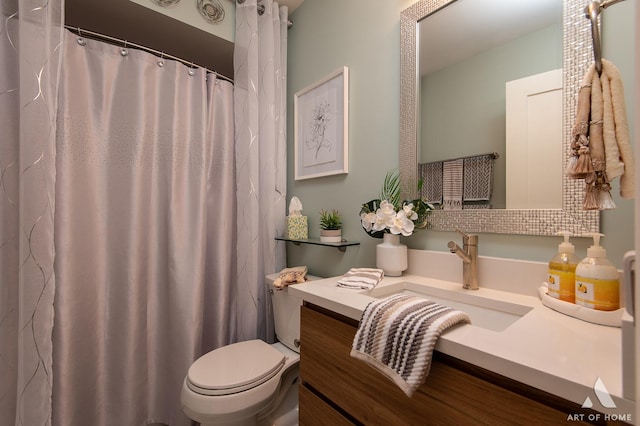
(391, 256)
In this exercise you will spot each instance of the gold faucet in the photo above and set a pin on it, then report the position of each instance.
(469, 255)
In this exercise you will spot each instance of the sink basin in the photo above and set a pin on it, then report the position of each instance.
(484, 312)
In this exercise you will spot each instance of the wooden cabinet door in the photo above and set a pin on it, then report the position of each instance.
(362, 395)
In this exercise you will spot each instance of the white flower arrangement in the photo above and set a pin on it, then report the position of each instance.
(387, 219)
(388, 215)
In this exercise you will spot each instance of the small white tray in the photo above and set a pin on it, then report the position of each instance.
(608, 318)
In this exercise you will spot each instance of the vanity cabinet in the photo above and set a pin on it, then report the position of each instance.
(337, 389)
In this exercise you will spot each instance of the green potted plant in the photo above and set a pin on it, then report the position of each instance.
(330, 226)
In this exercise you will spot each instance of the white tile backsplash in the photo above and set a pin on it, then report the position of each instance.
(514, 276)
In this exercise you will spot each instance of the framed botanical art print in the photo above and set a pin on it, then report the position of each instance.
(321, 127)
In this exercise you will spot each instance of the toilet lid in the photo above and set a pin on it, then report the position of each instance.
(235, 368)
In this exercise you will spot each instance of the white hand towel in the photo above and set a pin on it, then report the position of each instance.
(361, 278)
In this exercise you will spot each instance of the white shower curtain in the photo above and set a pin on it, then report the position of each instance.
(30, 38)
(260, 73)
(145, 226)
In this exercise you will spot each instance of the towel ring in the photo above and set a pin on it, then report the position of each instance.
(592, 11)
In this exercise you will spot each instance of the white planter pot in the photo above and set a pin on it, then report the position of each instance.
(391, 256)
(331, 235)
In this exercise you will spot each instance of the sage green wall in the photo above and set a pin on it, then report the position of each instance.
(364, 35)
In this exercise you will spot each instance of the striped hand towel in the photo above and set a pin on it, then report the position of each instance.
(361, 278)
(431, 175)
(397, 335)
(452, 174)
(477, 179)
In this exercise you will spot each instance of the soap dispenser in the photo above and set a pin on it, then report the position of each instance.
(562, 271)
(597, 280)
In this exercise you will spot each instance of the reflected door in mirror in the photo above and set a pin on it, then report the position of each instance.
(534, 141)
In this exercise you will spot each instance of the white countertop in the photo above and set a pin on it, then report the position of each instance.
(544, 349)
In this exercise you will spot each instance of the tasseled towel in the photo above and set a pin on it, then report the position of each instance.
(600, 145)
(452, 175)
(397, 336)
(597, 188)
(580, 161)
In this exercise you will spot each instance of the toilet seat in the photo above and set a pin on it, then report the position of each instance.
(235, 368)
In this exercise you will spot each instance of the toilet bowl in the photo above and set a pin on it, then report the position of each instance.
(250, 382)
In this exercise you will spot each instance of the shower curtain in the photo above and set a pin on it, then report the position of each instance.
(132, 168)
(145, 230)
(260, 73)
(30, 38)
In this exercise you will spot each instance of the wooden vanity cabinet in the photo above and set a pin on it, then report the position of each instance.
(337, 389)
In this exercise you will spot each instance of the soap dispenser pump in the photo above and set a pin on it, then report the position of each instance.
(562, 271)
(597, 279)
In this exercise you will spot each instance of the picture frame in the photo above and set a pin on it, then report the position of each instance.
(321, 127)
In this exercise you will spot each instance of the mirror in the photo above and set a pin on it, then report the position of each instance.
(466, 79)
(575, 57)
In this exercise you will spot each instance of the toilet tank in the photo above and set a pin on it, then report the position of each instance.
(286, 314)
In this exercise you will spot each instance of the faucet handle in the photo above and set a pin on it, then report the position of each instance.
(468, 239)
(465, 237)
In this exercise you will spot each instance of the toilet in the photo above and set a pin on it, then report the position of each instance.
(251, 382)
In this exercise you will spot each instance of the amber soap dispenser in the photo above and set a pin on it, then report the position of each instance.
(562, 271)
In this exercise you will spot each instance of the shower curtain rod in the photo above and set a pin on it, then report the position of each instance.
(80, 32)
(261, 11)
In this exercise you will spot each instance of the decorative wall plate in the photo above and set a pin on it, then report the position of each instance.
(166, 3)
(211, 10)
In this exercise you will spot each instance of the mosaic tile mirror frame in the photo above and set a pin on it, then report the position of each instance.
(577, 55)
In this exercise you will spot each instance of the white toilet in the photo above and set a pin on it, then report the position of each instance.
(252, 382)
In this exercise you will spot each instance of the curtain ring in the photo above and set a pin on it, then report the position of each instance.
(124, 51)
(161, 60)
(191, 71)
(81, 40)
(213, 74)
